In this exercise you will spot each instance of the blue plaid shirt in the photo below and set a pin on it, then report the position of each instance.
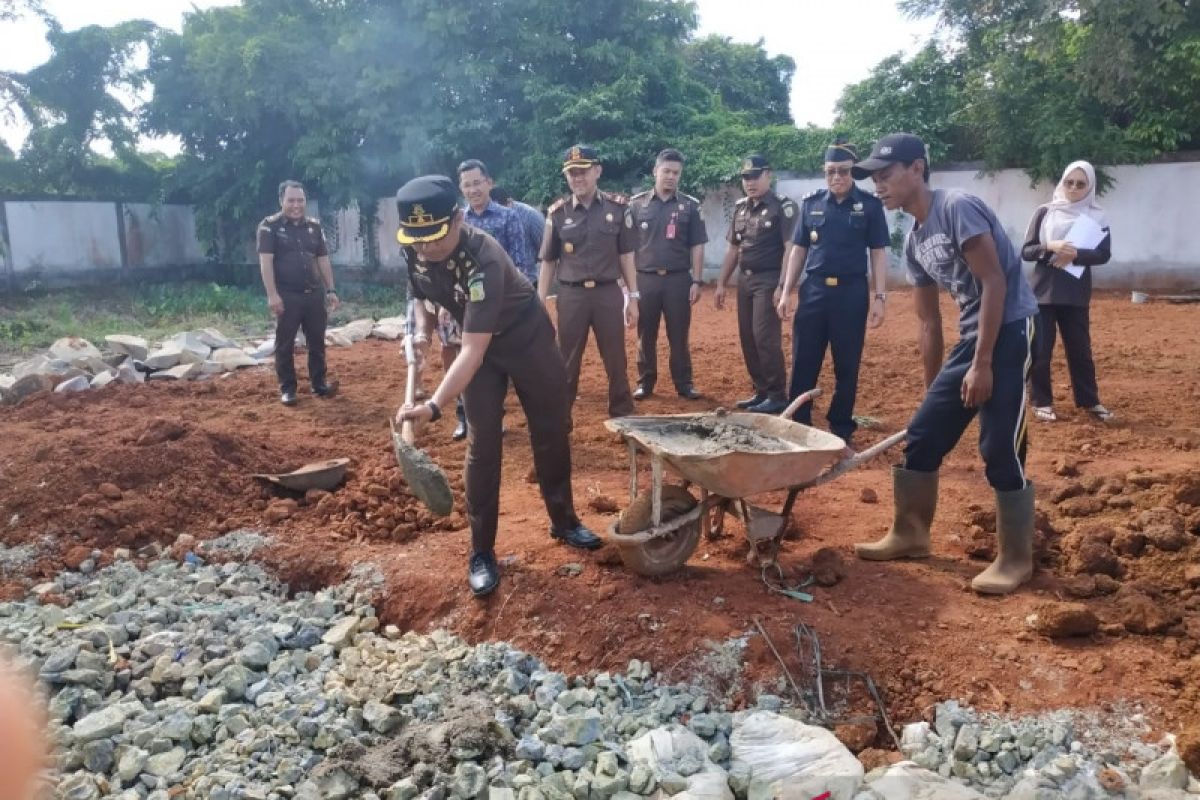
(503, 225)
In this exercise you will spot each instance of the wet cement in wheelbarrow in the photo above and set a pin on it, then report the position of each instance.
(704, 437)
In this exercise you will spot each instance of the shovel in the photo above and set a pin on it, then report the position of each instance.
(425, 479)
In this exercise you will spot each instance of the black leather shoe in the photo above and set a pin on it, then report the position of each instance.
(483, 573)
(641, 393)
(289, 398)
(326, 390)
(578, 536)
(690, 393)
(751, 401)
(460, 431)
(768, 407)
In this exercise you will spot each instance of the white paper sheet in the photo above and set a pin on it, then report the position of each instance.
(1085, 234)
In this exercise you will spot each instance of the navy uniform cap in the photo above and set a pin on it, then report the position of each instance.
(580, 155)
(753, 165)
(892, 149)
(426, 206)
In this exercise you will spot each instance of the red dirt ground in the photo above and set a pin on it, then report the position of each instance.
(178, 459)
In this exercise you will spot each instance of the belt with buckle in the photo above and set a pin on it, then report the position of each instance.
(588, 284)
(659, 271)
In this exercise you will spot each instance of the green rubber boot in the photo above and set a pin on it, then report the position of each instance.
(1014, 538)
(916, 499)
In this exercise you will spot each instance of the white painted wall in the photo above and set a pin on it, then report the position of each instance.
(160, 236)
(1155, 238)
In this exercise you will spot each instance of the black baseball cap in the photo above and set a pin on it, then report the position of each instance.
(580, 155)
(426, 205)
(753, 165)
(892, 149)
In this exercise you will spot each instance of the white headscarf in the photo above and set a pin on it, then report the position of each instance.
(1061, 213)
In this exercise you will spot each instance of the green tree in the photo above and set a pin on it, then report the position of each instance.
(744, 77)
(73, 104)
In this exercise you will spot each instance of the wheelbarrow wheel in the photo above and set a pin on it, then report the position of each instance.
(663, 554)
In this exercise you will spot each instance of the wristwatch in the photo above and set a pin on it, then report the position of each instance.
(330, 291)
(881, 296)
(435, 411)
(698, 281)
(635, 295)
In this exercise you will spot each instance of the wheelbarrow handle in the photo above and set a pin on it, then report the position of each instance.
(811, 394)
(847, 464)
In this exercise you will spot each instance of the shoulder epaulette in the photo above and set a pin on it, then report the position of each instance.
(619, 199)
(278, 215)
(813, 193)
(693, 199)
(783, 198)
(741, 201)
(640, 195)
(312, 220)
(556, 205)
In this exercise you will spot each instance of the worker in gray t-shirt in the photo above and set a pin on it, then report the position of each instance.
(958, 244)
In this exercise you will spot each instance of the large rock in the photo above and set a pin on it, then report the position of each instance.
(665, 750)
(358, 330)
(907, 781)
(1063, 620)
(164, 765)
(102, 724)
(104, 378)
(27, 385)
(786, 754)
(214, 338)
(264, 349)
(232, 358)
(390, 328)
(133, 346)
(181, 372)
(80, 383)
(1168, 772)
(192, 347)
(334, 337)
(165, 357)
(74, 348)
(128, 373)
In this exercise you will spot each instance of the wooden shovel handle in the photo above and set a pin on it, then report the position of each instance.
(811, 394)
(410, 389)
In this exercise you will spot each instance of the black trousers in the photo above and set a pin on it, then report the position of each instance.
(760, 334)
(664, 296)
(1003, 424)
(1075, 324)
(301, 311)
(834, 317)
(526, 355)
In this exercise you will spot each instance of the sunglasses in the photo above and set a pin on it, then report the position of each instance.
(1071, 183)
(837, 172)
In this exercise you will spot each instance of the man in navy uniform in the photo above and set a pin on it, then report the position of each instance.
(838, 226)
(506, 336)
(760, 236)
(670, 264)
(958, 243)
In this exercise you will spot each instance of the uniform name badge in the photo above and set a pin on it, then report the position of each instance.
(475, 290)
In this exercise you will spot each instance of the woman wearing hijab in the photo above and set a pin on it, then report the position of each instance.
(1064, 299)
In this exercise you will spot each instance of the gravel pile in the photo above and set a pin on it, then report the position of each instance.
(1064, 754)
(197, 680)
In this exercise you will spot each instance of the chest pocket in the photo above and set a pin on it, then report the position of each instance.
(574, 235)
(858, 222)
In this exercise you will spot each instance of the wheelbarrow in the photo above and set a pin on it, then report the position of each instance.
(728, 456)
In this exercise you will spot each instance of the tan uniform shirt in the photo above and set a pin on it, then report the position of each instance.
(667, 231)
(477, 284)
(588, 242)
(762, 230)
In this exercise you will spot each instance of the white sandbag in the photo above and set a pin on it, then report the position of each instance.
(665, 750)
(907, 781)
(797, 760)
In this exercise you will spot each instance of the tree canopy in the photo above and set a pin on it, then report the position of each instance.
(1037, 84)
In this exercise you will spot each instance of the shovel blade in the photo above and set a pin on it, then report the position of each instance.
(424, 477)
